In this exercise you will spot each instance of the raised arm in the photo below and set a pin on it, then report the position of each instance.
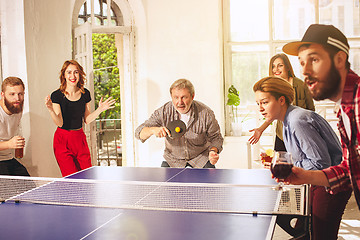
(55, 111)
(147, 132)
(103, 106)
(258, 132)
(155, 125)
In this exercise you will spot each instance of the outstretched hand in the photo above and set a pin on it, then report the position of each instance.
(256, 136)
(107, 104)
(48, 103)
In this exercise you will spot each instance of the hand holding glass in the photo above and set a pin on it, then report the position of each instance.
(281, 166)
(19, 152)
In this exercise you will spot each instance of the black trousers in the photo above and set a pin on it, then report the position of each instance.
(207, 165)
(12, 167)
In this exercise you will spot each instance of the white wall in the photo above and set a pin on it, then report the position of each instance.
(174, 39)
(13, 39)
(13, 58)
(36, 39)
(48, 45)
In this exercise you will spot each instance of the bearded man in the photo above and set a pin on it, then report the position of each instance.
(323, 54)
(11, 102)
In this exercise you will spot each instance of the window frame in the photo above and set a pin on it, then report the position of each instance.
(273, 46)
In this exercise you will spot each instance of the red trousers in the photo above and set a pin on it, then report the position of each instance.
(71, 151)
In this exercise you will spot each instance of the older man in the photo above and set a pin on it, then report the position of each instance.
(12, 101)
(202, 142)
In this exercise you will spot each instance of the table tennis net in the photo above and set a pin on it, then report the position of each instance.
(167, 196)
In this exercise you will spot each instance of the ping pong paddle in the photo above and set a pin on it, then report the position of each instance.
(177, 128)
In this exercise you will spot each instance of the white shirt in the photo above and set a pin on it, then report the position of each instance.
(346, 120)
(185, 118)
(9, 127)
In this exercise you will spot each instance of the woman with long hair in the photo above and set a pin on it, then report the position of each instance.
(69, 107)
(280, 66)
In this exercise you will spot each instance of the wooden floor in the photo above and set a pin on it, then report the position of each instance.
(350, 224)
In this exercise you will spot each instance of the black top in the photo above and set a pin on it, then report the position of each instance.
(72, 111)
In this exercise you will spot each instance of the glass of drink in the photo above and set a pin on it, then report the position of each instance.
(281, 166)
(266, 157)
(19, 152)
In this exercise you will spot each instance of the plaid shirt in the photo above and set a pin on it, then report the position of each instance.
(346, 175)
(202, 133)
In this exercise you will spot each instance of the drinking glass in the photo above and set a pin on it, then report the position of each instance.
(281, 166)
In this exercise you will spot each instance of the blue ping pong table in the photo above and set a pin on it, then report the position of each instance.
(39, 221)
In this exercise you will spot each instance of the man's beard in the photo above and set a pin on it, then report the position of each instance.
(332, 86)
(13, 108)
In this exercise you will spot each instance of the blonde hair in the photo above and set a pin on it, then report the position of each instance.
(183, 83)
(277, 87)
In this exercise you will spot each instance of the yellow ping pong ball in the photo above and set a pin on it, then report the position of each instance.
(177, 129)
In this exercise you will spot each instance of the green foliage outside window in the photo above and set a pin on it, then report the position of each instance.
(248, 68)
(106, 73)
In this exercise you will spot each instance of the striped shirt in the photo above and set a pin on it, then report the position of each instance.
(202, 133)
(346, 175)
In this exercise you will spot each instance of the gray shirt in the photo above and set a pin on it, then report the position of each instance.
(202, 133)
(310, 139)
(9, 127)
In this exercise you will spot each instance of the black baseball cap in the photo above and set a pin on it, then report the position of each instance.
(321, 34)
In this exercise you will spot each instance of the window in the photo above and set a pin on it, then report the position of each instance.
(105, 75)
(101, 13)
(256, 30)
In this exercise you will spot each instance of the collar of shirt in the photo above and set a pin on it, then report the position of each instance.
(290, 108)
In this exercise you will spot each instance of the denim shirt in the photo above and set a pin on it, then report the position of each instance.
(310, 139)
